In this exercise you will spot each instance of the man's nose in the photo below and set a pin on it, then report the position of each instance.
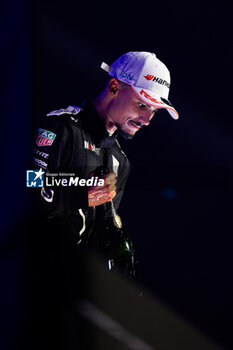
(146, 118)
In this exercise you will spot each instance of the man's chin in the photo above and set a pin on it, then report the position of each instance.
(124, 133)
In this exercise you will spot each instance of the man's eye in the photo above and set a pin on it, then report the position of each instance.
(141, 105)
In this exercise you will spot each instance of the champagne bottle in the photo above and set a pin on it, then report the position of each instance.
(113, 240)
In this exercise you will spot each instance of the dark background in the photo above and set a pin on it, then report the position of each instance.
(178, 203)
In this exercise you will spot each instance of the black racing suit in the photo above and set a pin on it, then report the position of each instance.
(70, 141)
(75, 141)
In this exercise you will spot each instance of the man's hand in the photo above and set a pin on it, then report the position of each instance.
(100, 194)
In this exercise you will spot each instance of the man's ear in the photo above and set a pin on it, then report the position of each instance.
(113, 87)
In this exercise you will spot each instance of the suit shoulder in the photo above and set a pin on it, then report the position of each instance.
(70, 110)
(71, 114)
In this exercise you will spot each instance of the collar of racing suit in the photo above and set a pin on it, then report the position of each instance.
(92, 121)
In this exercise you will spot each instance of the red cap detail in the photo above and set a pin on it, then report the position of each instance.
(149, 77)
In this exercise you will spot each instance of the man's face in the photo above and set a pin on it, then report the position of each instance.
(127, 112)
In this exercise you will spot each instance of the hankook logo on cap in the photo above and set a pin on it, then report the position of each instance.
(149, 77)
(157, 80)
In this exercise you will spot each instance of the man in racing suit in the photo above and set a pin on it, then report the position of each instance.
(81, 145)
(75, 141)
(83, 141)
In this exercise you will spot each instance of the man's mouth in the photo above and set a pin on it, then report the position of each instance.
(133, 125)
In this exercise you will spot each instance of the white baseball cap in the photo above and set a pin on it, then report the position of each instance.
(147, 75)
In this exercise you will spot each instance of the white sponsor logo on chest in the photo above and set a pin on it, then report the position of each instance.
(91, 147)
